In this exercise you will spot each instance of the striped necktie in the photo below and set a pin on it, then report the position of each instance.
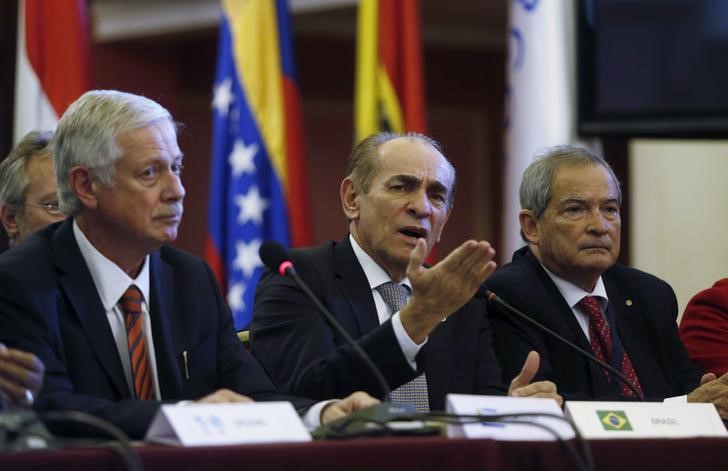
(131, 306)
(600, 337)
(415, 391)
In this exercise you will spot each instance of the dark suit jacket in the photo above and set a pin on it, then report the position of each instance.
(645, 310)
(304, 355)
(49, 305)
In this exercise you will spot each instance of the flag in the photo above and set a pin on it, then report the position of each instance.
(540, 102)
(390, 93)
(390, 84)
(52, 62)
(258, 185)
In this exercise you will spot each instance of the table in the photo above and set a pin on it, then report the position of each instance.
(402, 453)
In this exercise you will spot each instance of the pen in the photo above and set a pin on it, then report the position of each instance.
(187, 370)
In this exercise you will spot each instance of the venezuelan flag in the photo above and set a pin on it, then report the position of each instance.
(258, 186)
(389, 93)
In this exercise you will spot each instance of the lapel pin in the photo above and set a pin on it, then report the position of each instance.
(628, 302)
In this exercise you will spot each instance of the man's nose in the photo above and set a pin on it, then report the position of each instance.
(174, 190)
(419, 204)
(597, 223)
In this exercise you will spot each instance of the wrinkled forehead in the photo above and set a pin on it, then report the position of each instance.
(408, 156)
(584, 180)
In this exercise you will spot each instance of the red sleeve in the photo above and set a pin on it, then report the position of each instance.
(704, 328)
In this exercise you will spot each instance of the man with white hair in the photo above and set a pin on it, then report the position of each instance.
(122, 320)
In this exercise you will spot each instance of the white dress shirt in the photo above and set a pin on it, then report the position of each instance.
(377, 276)
(111, 283)
(573, 294)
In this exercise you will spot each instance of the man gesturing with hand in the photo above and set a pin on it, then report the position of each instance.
(425, 328)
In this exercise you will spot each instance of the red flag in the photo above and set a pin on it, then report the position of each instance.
(390, 92)
(52, 62)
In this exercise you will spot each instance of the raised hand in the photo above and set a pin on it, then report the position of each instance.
(439, 291)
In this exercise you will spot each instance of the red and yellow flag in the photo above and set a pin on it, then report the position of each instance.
(390, 92)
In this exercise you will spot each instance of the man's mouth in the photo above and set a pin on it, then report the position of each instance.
(414, 232)
(596, 247)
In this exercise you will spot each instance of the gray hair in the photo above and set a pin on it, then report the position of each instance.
(363, 165)
(87, 136)
(535, 191)
(13, 177)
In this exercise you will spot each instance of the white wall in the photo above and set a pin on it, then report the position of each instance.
(679, 212)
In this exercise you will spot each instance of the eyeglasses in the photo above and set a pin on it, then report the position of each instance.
(50, 207)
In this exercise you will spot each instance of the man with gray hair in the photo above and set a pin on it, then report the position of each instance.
(567, 279)
(122, 320)
(426, 328)
(28, 199)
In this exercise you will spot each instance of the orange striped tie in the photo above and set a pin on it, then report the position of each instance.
(131, 306)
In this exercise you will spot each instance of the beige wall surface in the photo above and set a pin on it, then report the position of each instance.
(679, 212)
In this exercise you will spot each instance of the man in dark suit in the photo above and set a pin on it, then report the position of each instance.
(121, 320)
(567, 279)
(397, 198)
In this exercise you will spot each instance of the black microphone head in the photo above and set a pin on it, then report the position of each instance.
(275, 256)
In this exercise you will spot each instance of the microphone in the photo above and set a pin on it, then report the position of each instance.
(277, 259)
(495, 299)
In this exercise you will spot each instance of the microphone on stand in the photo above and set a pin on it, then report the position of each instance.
(495, 299)
(277, 259)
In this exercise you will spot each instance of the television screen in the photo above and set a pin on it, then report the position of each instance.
(653, 67)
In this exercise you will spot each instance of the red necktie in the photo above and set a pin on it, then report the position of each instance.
(600, 337)
(131, 306)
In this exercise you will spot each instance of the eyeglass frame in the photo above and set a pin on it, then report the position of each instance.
(52, 208)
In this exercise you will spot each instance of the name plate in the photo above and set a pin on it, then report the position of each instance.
(518, 427)
(645, 419)
(227, 424)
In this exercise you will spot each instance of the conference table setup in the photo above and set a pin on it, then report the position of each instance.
(512, 434)
(389, 453)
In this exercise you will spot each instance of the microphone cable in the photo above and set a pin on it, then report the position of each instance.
(494, 298)
(121, 445)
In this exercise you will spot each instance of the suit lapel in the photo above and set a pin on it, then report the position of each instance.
(558, 314)
(161, 312)
(76, 282)
(628, 318)
(354, 286)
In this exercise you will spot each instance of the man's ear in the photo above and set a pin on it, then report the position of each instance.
(9, 216)
(349, 199)
(84, 186)
(529, 226)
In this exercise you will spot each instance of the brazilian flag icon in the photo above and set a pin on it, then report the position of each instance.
(614, 420)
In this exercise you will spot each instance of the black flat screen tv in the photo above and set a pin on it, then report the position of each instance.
(653, 68)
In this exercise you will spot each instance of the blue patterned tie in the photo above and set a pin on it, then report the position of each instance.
(415, 391)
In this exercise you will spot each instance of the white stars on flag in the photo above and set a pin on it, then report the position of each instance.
(223, 96)
(244, 157)
(247, 258)
(251, 206)
(235, 297)
(241, 158)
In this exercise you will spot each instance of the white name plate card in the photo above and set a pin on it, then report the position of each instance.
(645, 419)
(196, 424)
(519, 427)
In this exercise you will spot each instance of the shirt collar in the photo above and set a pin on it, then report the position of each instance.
(375, 274)
(573, 294)
(110, 280)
